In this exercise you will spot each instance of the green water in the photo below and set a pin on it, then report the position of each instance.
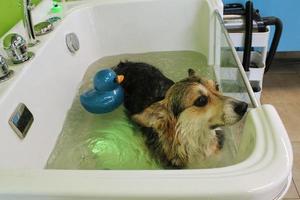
(111, 141)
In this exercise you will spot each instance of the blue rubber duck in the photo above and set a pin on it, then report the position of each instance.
(107, 94)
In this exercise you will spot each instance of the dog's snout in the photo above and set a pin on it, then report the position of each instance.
(241, 108)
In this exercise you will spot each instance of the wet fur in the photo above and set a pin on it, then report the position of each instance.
(144, 84)
(176, 131)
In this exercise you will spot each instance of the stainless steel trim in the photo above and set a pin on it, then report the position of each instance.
(53, 20)
(43, 28)
(7, 77)
(28, 23)
(16, 48)
(72, 42)
(5, 72)
(21, 120)
(4, 69)
(239, 64)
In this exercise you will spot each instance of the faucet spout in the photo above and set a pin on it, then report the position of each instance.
(28, 23)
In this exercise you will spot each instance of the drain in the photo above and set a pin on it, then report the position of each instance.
(72, 42)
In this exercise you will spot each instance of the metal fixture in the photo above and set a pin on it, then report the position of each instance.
(72, 42)
(43, 28)
(237, 18)
(53, 20)
(5, 73)
(16, 48)
(27, 20)
(21, 120)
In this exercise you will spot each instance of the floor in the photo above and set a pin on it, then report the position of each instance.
(281, 88)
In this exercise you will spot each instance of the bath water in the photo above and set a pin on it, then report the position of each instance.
(112, 141)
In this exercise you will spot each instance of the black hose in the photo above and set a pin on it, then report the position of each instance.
(276, 38)
(248, 35)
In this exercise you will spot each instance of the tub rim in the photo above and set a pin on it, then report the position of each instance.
(257, 170)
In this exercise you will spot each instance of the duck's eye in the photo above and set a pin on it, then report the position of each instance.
(201, 101)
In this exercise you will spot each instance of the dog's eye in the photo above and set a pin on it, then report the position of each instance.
(201, 101)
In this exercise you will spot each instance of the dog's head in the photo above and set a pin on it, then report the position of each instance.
(200, 100)
(193, 100)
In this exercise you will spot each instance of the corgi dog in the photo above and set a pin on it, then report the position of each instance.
(178, 119)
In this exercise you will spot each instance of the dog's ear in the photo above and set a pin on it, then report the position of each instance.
(156, 116)
(212, 84)
(191, 72)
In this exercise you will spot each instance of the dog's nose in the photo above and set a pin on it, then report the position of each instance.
(241, 108)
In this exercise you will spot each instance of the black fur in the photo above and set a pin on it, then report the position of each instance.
(143, 85)
(221, 138)
(152, 141)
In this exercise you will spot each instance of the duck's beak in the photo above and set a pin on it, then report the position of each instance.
(120, 78)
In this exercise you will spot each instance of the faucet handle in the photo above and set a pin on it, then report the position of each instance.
(5, 73)
(16, 48)
(3, 66)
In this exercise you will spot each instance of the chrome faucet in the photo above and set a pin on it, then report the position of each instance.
(28, 23)
(16, 48)
(5, 73)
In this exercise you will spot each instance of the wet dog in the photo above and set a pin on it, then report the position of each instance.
(177, 119)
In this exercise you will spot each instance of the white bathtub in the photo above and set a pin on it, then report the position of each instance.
(47, 85)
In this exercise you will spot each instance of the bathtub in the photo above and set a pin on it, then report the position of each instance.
(47, 85)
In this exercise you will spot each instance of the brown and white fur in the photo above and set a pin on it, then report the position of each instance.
(180, 128)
